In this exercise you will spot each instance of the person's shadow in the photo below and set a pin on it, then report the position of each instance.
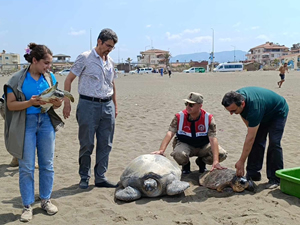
(6, 170)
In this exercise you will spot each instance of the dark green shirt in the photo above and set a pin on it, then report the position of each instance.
(262, 105)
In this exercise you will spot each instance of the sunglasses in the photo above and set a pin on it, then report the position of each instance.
(189, 104)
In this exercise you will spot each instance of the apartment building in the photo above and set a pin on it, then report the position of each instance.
(9, 61)
(267, 52)
(152, 57)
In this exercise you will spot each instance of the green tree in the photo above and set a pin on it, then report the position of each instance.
(129, 60)
(167, 57)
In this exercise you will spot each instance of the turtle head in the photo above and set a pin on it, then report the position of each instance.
(239, 184)
(151, 187)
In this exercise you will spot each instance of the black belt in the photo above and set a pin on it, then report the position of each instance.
(95, 99)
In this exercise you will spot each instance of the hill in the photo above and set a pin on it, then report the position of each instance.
(225, 56)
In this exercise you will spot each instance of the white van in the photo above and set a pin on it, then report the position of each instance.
(194, 70)
(145, 70)
(229, 67)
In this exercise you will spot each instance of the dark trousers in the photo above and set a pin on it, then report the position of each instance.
(275, 130)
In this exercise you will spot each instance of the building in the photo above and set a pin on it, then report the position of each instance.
(61, 58)
(9, 62)
(152, 57)
(267, 52)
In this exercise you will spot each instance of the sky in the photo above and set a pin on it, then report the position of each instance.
(178, 26)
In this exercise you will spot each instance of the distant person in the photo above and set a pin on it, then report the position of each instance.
(195, 131)
(97, 95)
(282, 71)
(264, 113)
(161, 71)
(138, 70)
(169, 71)
(28, 130)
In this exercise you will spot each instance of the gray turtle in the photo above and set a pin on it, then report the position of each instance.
(52, 93)
(150, 175)
(220, 179)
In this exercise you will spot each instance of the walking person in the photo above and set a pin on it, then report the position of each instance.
(169, 71)
(34, 130)
(97, 107)
(264, 112)
(282, 71)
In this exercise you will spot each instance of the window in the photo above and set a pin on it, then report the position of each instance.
(6, 57)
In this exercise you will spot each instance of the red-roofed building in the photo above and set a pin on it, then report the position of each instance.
(152, 57)
(267, 52)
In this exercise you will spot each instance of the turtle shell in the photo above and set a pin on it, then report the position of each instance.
(216, 177)
(149, 166)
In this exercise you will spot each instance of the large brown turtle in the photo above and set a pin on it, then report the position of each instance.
(150, 175)
(220, 179)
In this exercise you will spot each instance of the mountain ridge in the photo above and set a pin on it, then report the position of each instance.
(224, 56)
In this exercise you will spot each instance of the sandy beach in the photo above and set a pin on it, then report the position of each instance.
(147, 104)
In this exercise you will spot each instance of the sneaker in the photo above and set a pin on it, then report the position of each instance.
(272, 184)
(84, 183)
(48, 207)
(26, 214)
(186, 169)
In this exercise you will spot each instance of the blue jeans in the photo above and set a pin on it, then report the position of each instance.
(40, 136)
(95, 118)
(275, 130)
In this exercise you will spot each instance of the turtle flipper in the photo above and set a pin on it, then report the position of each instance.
(176, 187)
(69, 96)
(128, 194)
(222, 186)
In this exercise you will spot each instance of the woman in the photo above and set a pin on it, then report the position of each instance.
(33, 130)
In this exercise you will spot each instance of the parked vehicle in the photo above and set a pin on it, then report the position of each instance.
(133, 71)
(145, 70)
(195, 70)
(229, 67)
(64, 72)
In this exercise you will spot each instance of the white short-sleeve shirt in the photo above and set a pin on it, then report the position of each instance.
(95, 75)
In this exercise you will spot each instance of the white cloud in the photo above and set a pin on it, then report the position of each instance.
(149, 25)
(263, 37)
(225, 39)
(189, 31)
(255, 28)
(200, 39)
(237, 24)
(76, 33)
(181, 34)
(173, 36)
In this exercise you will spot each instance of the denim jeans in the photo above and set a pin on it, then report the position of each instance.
(40, 136)
(95, 118)
(275, 130)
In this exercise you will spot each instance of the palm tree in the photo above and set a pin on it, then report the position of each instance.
(167, 57)
(129, 60)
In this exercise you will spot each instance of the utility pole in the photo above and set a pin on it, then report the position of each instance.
(233, 52)
(91, 46)
(212, 53)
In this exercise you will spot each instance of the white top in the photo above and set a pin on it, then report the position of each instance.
(95, 76)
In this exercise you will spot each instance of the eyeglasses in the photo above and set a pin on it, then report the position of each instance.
(191, 105)
(110, 46)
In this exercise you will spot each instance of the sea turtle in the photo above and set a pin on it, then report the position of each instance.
(150, 175)
(52, 93)
(220, 179)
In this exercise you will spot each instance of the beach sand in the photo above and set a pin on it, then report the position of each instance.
(146, 105)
